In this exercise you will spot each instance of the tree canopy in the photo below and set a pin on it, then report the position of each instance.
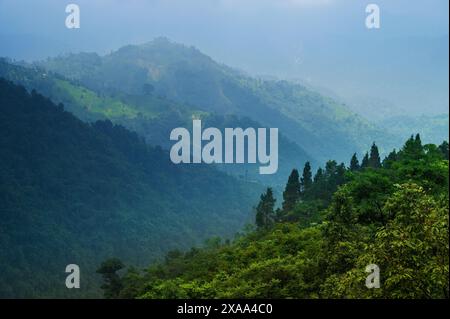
(394, 216)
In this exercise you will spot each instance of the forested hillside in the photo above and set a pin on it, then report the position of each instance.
(149, 114)
(99, 189)
(331, 225)
(74, 192)
(318, 124)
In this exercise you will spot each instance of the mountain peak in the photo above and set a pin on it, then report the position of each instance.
(161, 52)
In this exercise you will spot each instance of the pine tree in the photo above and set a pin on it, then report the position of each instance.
(319, 175)
(317, 186)
(444, 149)
(418, 141)
(340, 174)
(291, 193)
(388, 160)
(265, 215)
(365, 161)
(306, 180)
(374, 159)
(354, 163)
(413, 149)
(330, 169)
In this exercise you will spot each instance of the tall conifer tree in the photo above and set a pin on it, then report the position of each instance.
(291, 193)
(374, 159)
(265, 215)
(365, 161)
(354, 163)
(306, 180)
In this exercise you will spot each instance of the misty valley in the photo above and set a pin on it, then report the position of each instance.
(266, 150)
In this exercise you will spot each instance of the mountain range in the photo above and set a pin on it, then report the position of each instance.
(319, 125)
(85, 169)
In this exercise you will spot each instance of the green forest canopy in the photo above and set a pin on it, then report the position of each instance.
(393, 213)
(76, 192)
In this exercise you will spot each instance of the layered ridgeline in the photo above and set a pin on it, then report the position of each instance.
(147, 113)
(73, 192)
(433, 127)
(332, 225)
(319, 125)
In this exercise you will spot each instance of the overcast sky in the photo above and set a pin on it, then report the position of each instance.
(321, 41)
(214, 25)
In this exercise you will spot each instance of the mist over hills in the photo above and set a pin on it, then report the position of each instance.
(319, 125)
(325, 43)
(151, 116)
(431, 127)
(86, 176)
(156, 86)
(59, 171)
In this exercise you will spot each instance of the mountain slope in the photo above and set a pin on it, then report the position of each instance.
(72, 192)
(320, 125)
(148, 114)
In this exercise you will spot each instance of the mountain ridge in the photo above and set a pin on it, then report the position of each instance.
(186, 75)
(150, 115)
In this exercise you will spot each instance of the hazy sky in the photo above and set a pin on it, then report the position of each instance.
(324, 42)
(213, 25)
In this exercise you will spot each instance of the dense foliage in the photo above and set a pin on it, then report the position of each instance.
(74, 192)
(316, 123)
(393, 213)
(147, 113)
